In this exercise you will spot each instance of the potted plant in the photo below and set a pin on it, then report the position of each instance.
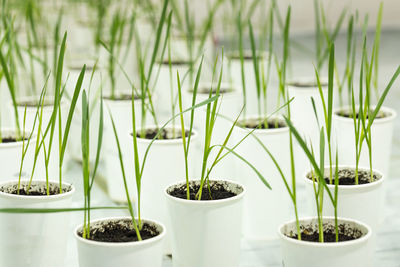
(47, 233)
(211, 207)
(373, 136)
(120, 107)
(356, 185)
(271, 131)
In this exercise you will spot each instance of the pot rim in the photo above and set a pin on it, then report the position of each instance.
(391, 117)
(273, 131)
(175, 141)
(233, 55)
(18, 143)
(233, 90)
(63, 103)
(372, 185)
(307, 79)
(107, 98)
(51, 197)
(121, 244)
(205, 202)
(357, 241)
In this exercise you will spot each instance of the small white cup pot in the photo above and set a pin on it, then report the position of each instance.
(164, 165)
(121, 111)
(264, 209)
(10, 151)
(303, 116)
(206, 233)
(31, 108)
(143, 253)
(229, 108)
(362, 202)
(353, 253)
(381, 131)
(166, 85)
(234, 70)
(37, 239)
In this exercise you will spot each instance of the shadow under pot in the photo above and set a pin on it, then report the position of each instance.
(34, 239)
(113, 242)
(205, 232)
(353, 249)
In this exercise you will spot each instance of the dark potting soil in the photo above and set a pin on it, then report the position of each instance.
(165, 134)
(349, 114)
(347, 177)
(345, 234)
(272, 124)
(175, 62)
(34, 190)
(216, 191)
(206, 91)
(34, 104)
(306, 85)
(115, 232)
(122, 97)
(11, 140)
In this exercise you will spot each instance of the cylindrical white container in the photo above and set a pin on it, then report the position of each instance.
(206, 233)
(31, 109)
(264, 209)
(382, 133)
(165, 165)
(233, 69)
(363, 202)
(11, 155)
(303, 116)
(38, 239)
(144, 253)
(352, 253)
(166, 85)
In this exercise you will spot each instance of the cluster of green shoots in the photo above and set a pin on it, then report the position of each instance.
(46, 133)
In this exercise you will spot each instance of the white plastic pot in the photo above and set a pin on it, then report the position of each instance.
(382, 133)
(363, 202)
(166, 86)
(206, 233)
(144, 253)
(354, 253)
(34, 239)
(121, 111)
(10, 156)
(302, 111)
(234, 70)
(165, 165)
(40, 171)
(303, 116)
(229, 104)
(264, 209)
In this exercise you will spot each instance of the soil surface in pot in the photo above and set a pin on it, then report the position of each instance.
(349, 114)
(214, 192)
(34, 103)
(175, 62)
(166, 134)
(347, 177)
(34, 190)
(122, 97)
(206, 90)
(272, 123)
(119, 232)
(307, 84)
(345, 234)
(10, 139)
